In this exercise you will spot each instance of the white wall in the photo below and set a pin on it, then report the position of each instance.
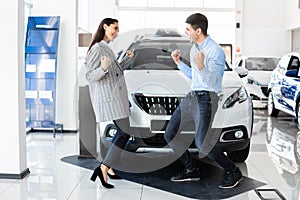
(293, 15)
(67, 56)
(99, 9)
(293, 25)
(296, 40)
(263, 25)
(12, 87)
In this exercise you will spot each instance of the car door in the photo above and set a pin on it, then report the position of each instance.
(277, 83)
(290, 85)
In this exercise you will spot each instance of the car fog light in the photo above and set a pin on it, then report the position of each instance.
(111, 132)
(239, 134)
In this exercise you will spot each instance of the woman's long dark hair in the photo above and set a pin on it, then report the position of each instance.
(99, 35)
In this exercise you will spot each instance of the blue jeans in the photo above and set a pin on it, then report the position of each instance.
(199, 107)
(118, 143)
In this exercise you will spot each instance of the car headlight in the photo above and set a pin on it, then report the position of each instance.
(253, 82)
(239, 96)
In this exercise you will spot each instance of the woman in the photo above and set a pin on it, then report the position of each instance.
(108, 93)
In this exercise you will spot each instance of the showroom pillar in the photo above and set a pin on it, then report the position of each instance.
(238, 29)
(12, 101)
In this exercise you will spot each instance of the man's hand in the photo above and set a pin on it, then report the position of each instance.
(105, 63)
(199, 60)
(176, 56)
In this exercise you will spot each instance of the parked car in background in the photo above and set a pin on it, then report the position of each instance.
(259, 73)
(284, 87)
(156, 87)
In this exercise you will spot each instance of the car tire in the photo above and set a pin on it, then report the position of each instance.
(272, 111)
(240, 155)
(297, 148)
(298, 114)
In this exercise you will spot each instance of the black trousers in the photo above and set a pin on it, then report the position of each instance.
(118, 143)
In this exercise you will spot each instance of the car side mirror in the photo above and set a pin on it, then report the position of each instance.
(291, 73)
(119, 54)
(242, 72)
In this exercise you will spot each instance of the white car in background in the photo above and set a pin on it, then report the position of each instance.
(156, 87)
(259, 74)
(284, 87)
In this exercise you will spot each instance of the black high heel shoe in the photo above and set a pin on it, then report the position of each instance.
(98, 172)
(114, 176)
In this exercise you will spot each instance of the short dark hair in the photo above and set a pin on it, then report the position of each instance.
(198, 20)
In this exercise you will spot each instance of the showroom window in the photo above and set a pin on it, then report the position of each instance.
(83, 15)
(177, 3)
(135, 14)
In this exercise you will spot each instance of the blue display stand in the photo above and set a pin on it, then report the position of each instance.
(40, 72)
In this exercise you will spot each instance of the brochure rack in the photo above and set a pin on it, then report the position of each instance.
(40, 72)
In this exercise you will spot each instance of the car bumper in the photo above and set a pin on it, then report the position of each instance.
(143, 138)
(234, 124)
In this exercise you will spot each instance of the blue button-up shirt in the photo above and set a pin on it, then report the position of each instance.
(210, 77)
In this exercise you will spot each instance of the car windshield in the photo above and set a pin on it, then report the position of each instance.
(267, 64)
(156, 55)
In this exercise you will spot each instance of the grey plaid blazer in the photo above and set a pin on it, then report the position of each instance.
(108, 91)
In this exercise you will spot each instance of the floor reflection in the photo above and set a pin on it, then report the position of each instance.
(259, 121)
(283, 145)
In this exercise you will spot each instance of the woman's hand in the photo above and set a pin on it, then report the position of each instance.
(130, 54)
(105, 63)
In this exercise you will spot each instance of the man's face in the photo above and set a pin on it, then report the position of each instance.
(191, 33)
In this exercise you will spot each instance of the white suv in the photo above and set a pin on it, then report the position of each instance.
(156, 87)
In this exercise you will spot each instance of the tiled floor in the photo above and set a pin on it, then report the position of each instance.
(272, 160)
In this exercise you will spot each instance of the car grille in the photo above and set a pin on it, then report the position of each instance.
(157, 105)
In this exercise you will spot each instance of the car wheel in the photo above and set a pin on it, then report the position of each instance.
(272, 111)
(298, 115)
(239, 156)
(297, 148)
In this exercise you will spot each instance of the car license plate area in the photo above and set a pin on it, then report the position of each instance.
(161, 125)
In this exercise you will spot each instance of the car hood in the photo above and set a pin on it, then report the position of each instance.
(263, 77)
(169, 82)
(157, 82)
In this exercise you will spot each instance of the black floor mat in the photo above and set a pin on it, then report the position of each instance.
(206, 188)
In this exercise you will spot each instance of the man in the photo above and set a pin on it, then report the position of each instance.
(207, 60)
